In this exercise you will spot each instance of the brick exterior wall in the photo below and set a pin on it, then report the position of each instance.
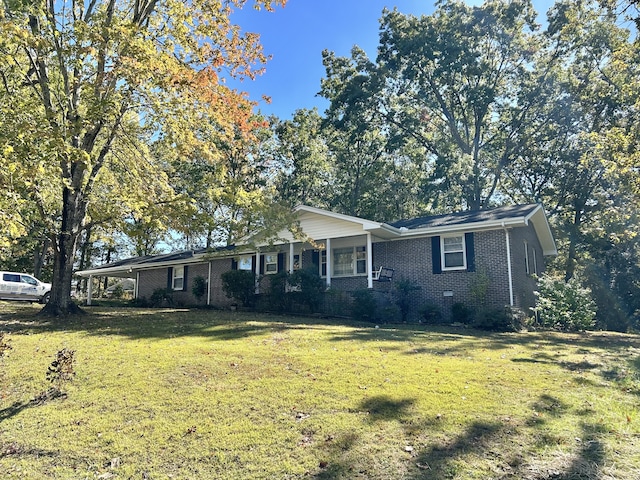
(151, 280)
(411, 260)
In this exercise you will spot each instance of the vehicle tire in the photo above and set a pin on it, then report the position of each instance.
(46, 297)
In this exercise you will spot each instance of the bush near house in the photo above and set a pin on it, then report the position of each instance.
(565, 306)
(241, 286)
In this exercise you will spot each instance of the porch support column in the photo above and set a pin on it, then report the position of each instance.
(290, 257)
(89, 289)
(328, 262)
(509, 273)
(369, 261)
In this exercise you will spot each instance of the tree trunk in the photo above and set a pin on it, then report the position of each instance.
(65, 245)
(574, 234)
(39, 256)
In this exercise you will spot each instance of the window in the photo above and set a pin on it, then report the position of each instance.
(296, 262)
(453, 253)
(271, 263)
(11, 277)
(245, 263)
(349, 261)
(29, 280)
(526, 258)
(178, 278)
(535, 263)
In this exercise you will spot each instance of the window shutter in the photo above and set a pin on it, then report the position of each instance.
(280, 262)
(185, 274)
(436, 260)
(253, 264)
(261, 264)
(470, 250)
(170, 278)
(234, 264)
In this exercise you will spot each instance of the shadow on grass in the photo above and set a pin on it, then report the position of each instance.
(13, 410)
(438, 461)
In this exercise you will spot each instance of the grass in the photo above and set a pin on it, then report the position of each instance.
(195, 394)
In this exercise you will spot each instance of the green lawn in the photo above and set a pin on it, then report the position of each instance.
(195, 394)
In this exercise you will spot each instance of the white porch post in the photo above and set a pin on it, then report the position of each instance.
(89, 289)
(328, 262)
(290, 257)
(369, 261)
(507, 238)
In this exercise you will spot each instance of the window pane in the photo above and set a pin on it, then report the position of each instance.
(343, 261)
(452, 244)
(177, 283)
(244, 263)
(29, 280)
(453, 260)
(270, 263)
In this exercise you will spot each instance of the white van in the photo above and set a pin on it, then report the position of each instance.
(20, 286)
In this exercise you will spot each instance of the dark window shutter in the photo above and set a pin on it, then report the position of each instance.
(170, 278)
(470, 250)
(261, 264)
(280, 262)
(253, 264)
(315, 259)
(234, 264)
(436, 260)
(185, 272)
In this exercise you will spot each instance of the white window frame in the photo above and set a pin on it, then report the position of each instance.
(527, 267)
(270, 263)
(443, 253)
(358, 257)
(178, 274)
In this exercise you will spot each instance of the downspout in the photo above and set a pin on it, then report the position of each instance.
(209, 285)
(509, 272)
(369, 261)
(137, 289)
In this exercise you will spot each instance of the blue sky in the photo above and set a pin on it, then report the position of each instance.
(296, 35)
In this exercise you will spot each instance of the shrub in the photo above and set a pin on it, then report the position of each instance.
(431, 313)
(60, 371)
(310, 288)
(403, 291)
(461, 313)
(161, 297)
(364, 305)
(199, 287)
(565, 306)
(278, 298)
(118, 292)
(240, 285)
(497, 320)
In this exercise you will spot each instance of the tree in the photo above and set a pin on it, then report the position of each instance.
(81, 78)
(304, 157)
(450, 82)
